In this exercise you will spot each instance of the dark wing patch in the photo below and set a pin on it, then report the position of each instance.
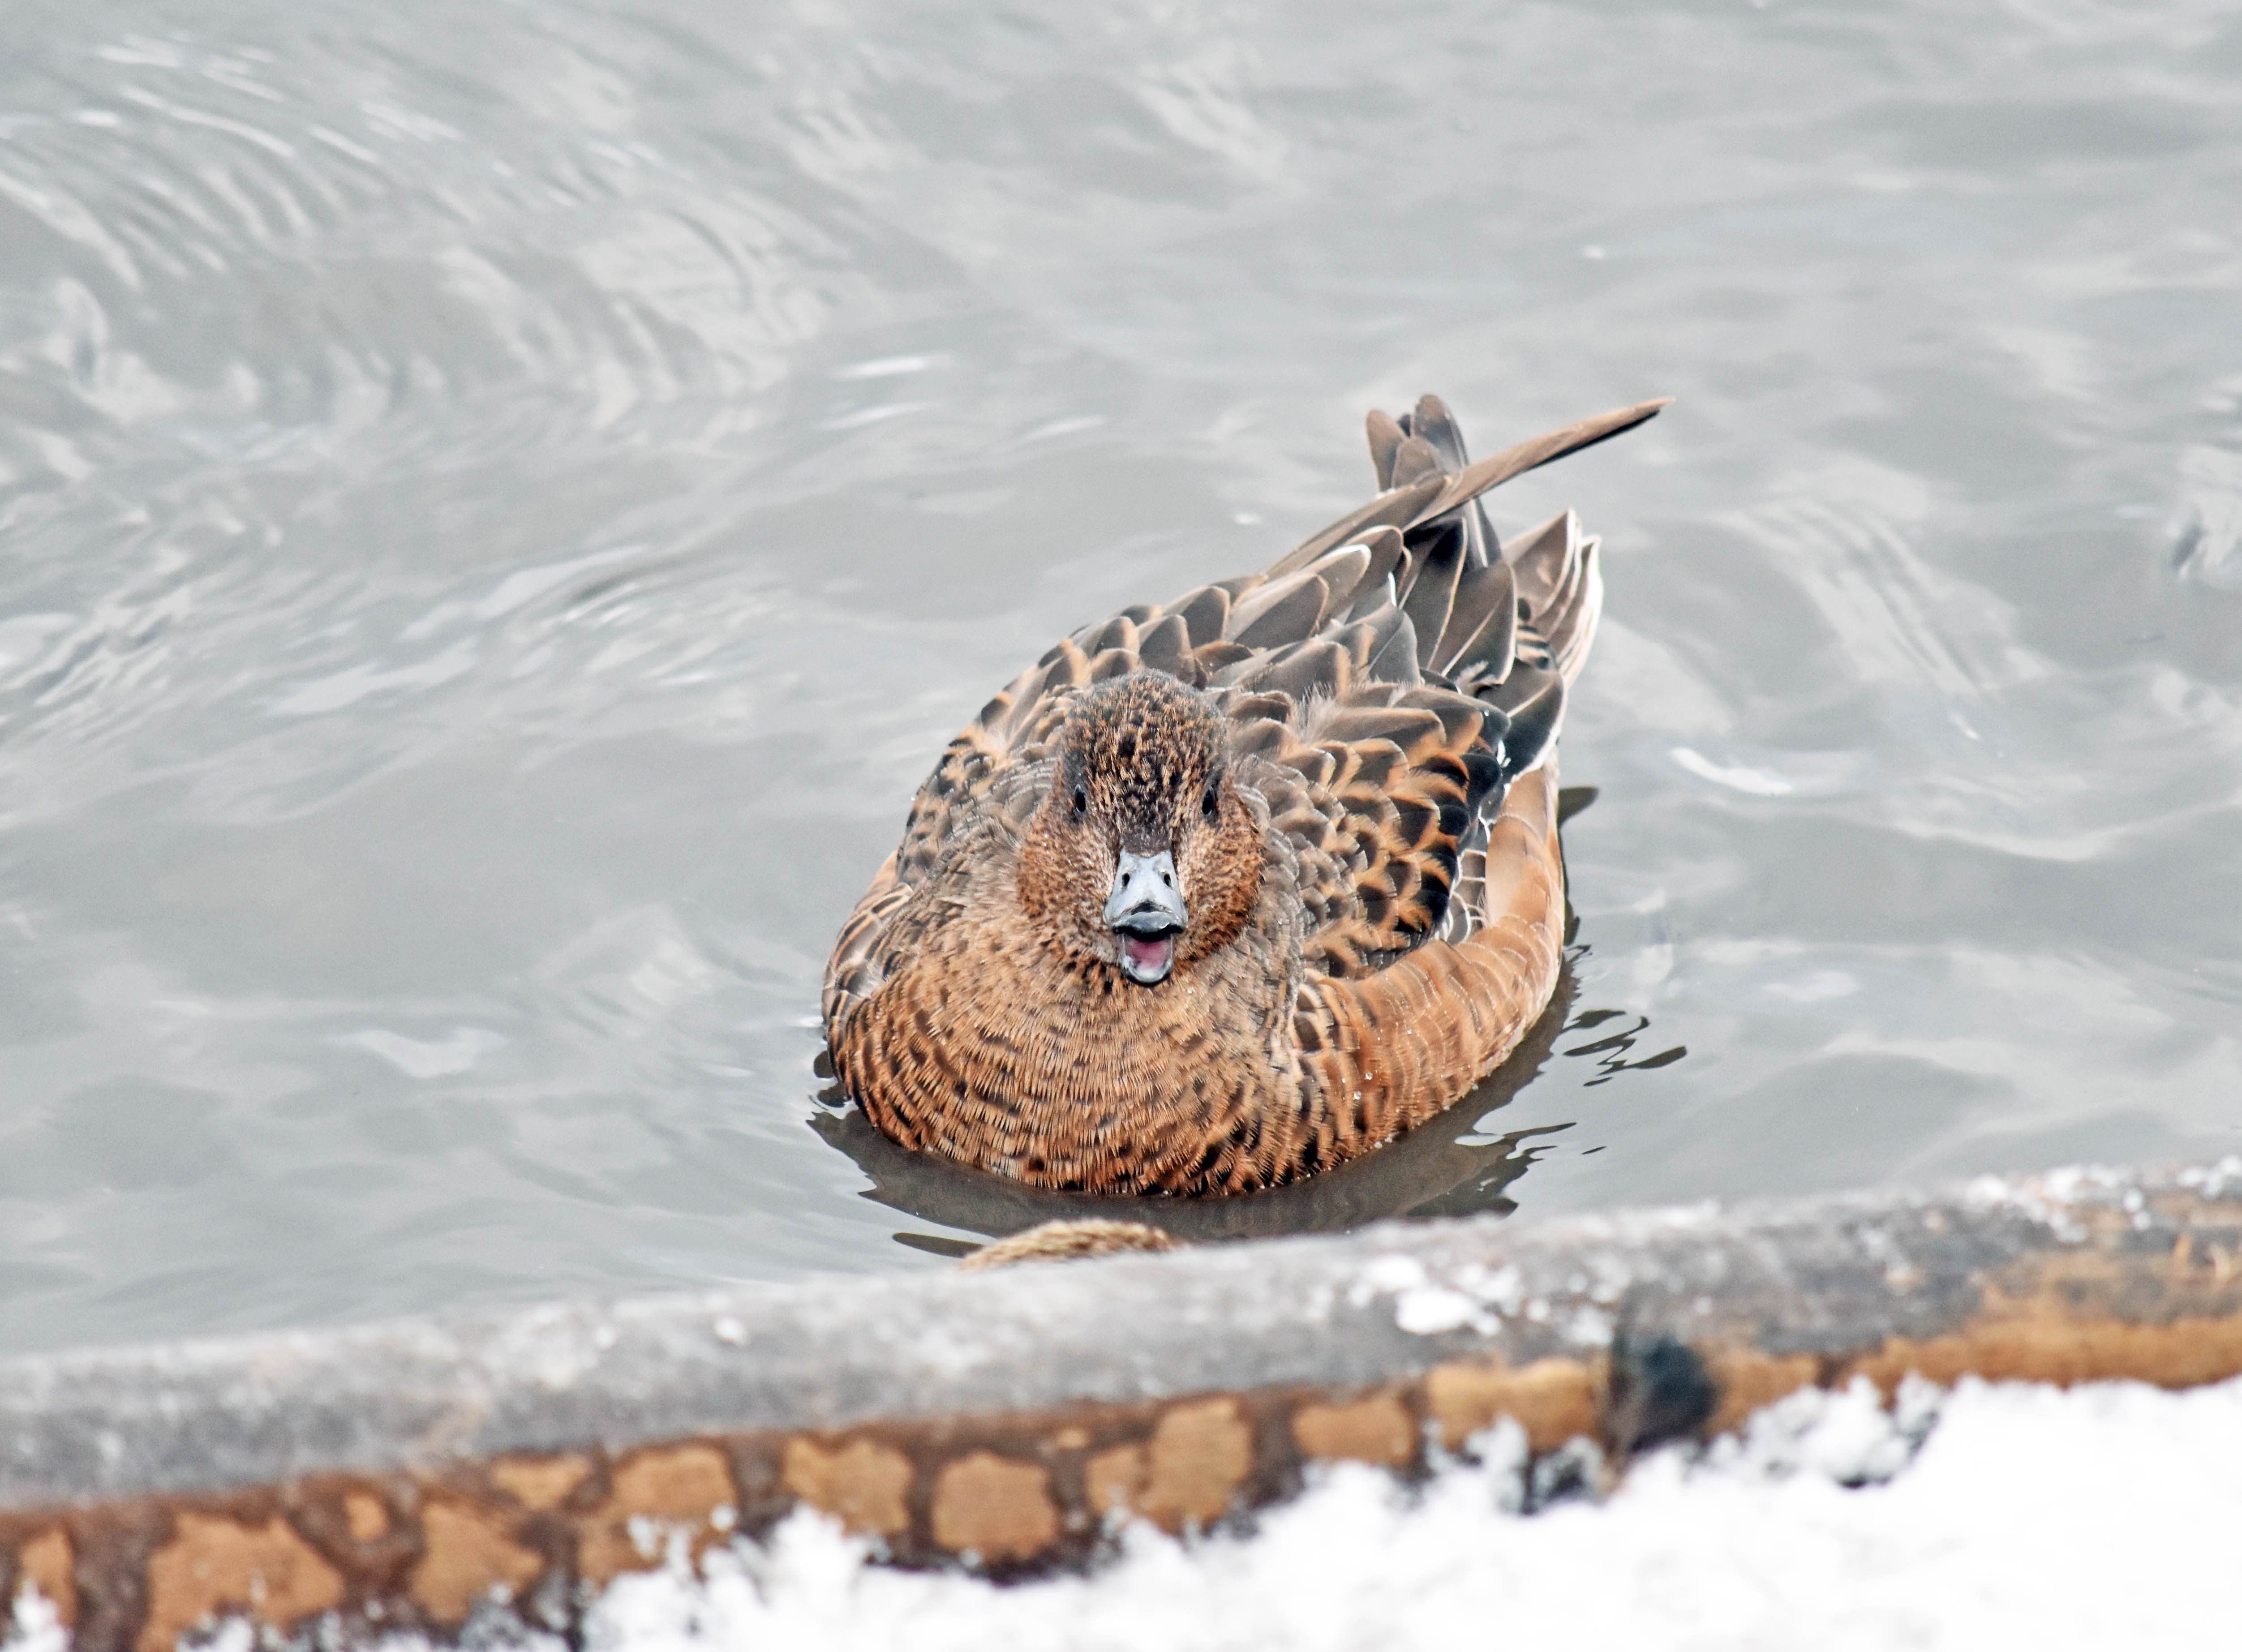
(1380, 790)
(1437, 557)
(1482, 624)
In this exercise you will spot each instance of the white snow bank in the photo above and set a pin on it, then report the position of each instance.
(2104, 1516)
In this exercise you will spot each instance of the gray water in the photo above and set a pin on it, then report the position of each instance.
(500, 506)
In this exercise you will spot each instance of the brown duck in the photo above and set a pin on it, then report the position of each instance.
(1221, 893)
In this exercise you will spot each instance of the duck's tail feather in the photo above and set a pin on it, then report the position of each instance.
(1415, 588)
(1477, 608)
(1412, 496)
(1481, 608)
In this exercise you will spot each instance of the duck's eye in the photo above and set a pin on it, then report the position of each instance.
(1213, 803)
(1081, 801)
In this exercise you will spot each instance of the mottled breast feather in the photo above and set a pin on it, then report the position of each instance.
(1390, 694)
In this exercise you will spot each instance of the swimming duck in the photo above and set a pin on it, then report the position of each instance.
(1220, 894)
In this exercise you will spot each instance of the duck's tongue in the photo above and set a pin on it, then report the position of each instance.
(1148, 955)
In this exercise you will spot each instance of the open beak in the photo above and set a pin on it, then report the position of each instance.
(1146, 911)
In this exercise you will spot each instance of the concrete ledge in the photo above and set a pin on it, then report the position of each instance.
(418, 1473)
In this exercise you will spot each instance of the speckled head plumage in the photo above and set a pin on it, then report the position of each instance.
(1140, 753)
(1142, 856)
(1222, 893)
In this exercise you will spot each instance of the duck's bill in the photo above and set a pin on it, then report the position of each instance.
(1146, 959)
(1146, 911)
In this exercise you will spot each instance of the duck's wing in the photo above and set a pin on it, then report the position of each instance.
(1396, 669)
(1419, 786)
(1383, 1051)
(1396, 684)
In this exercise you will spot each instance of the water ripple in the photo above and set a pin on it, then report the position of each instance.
(501, 507)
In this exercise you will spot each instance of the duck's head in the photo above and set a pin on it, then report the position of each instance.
(1143, 856)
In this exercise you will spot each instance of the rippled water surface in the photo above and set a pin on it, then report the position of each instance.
(500, 503)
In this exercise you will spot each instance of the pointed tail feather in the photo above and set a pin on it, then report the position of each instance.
(1410, 503)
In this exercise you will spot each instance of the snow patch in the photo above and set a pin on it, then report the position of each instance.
(1431, 1308)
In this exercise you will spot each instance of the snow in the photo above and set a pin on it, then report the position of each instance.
(1985, 1516)
(2103, 1516)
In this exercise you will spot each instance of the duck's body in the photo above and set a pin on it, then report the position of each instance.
(1224, 893)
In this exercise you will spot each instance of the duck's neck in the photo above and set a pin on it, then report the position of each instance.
(999, 1046)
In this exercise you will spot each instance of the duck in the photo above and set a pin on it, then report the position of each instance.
(1227, 892)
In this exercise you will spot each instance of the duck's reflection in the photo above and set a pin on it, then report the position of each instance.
(1613, 1050)
(1448, 1168)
